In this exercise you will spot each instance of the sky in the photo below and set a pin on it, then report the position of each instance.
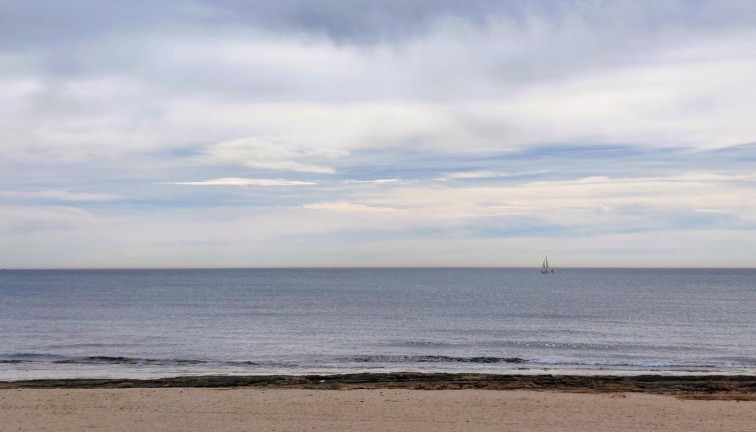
(300, 133)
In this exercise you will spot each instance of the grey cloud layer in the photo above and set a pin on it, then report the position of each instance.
(346, 51)
(439, 128)
(50, 22)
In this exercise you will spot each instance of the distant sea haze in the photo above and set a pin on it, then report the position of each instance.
(150, 323)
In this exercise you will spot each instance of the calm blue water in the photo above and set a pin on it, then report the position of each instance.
(140, 323)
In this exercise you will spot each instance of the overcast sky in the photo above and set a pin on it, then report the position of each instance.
(233, 133)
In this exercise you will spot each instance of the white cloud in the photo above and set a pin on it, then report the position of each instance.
(346, 207)
(270, 153)
(61, 195)
(302, 103)
(491, 174)
(237, 181)
(620, 203)
(376, 181)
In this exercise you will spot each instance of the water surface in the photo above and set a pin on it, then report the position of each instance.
(140, 323)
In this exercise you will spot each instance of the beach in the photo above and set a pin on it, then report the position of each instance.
(383, 402)
(242, 409)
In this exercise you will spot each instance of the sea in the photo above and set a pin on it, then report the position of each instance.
(160, 323)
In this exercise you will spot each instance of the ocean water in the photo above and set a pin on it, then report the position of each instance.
(150, 323)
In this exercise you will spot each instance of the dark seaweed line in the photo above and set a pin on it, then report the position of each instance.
(679, 385)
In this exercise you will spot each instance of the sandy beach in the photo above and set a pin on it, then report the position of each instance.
(383, 402)
(243, 409)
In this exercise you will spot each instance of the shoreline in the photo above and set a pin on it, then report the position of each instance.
(739, 387)
(378, 402)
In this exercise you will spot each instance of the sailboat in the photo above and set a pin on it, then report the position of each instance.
(545, 266)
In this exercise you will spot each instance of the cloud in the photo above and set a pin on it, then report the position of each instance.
(279, 101)
(376, 181)
(584, 204)
(19, 222)
(483, 174)
(270, 153)
(345, 207)
(60, 195)
(354, 21)
(236, 181)
(595, 123)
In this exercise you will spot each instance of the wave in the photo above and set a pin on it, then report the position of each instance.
(432, 359)
(598, 364)
(373, 361)
(135, 361)
(652, 364)
(127, 361)
(420, 344)
(113, 360)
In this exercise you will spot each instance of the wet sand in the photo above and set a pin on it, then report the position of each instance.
(711, 386)
(383, 402)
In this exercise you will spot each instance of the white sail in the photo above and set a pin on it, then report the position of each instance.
(545, 266)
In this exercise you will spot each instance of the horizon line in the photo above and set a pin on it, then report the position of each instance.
(373, 268)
